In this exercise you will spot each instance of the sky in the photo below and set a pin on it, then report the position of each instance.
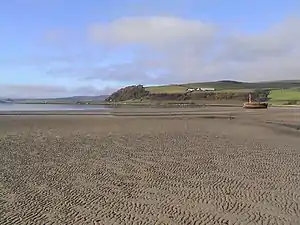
(53, 48)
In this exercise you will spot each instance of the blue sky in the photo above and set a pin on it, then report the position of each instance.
(46, 42)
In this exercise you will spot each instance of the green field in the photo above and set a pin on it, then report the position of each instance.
(227, 86)
(168, 89)
(282, 92)
(285, 95)
(235, 90)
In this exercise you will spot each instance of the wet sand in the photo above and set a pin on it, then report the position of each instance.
(235, 167)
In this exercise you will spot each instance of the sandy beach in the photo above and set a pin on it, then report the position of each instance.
(217, 166)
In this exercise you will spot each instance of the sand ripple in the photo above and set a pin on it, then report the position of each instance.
(147, 171)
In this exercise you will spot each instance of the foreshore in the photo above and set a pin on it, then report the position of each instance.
(151, 166)
(152, 110)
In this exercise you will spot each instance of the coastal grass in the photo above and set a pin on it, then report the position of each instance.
(285, 95)
(168, 89)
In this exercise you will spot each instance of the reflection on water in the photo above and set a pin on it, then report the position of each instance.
(49, 107)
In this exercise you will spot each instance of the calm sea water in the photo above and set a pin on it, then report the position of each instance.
(48, 107)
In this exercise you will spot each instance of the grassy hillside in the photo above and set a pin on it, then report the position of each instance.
(285, 96)
(281, 92)
(172, 94)
(226, 86)
(168, 89)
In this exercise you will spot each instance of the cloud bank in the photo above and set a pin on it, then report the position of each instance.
(161, 50)
(48, 91)
(181, 50)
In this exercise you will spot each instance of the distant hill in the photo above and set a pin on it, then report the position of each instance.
(82, 98)
(229, 84)
(224, 90)
(140, 93)
(4, 101)
(72, 99)
(225, 85)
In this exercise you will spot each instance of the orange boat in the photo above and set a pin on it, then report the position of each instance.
(254, 105)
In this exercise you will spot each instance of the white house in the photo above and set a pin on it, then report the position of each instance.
(190, 89)
(207, 89)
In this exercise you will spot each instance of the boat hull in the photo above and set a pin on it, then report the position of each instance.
(255, 105)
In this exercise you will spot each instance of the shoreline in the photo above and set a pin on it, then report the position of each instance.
(133, 104)
(142, 110)
(121, 112)
(152, 104)
(150, 111)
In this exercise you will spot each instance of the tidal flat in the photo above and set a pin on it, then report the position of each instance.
(242, 169)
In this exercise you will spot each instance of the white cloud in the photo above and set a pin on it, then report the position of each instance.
(191, 50)
(150, 31)
(181, 50)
